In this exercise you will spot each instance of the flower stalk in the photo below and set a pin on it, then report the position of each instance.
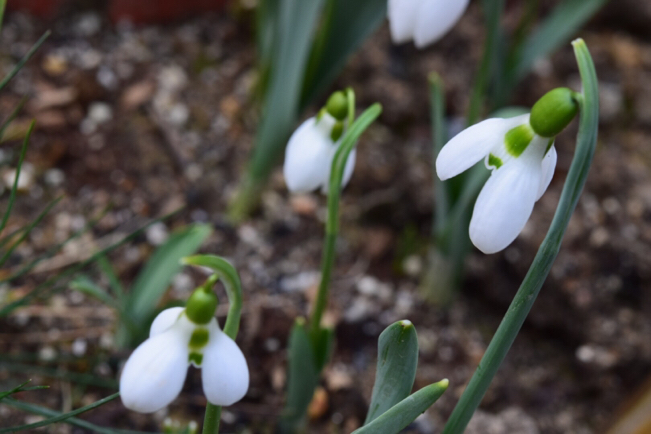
(533, 281)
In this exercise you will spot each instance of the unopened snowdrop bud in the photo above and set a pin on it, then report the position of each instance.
(423, 21)
(522, 164)
(553, 112)
(312, 147)
(154, 374)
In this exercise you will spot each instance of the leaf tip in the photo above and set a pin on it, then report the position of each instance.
(443, 384)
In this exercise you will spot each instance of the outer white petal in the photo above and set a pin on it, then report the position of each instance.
(164, 320)
(505, 204)
(402, 16)
(307, 158)
(225, 375)
(154, 374)
(473, 144)
(435, 18)
(548, 167)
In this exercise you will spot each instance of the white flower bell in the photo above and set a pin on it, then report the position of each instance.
(312, 147)
(521, 156)
(423, 21)
(154, 374)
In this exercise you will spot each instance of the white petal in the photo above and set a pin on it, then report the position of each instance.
(348, 171)
(505, 204)
(154, 374)
(307, 158)
(435, 18)
(548, 167)
(402, 16)
(473, 144)
(225, 375)
(164, 320)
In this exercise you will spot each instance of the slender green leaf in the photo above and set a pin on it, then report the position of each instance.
(49, 285)
(406, 411)
(24, 60)
(155, 278)
(12, 116)
(74, 377)
(396, 368)
(111, 275)
(346, 27)
(60, 417)
(3, 4)
(43, 411)
(302, 380)
(322, 346)
(86, 286)
(542, 263)
(20, 388)
(28, 230)
(14, 188)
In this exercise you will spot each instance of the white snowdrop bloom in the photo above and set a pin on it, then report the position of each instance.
(423, 21)
(522, 165)
(154, 374)
(309, 155)
(521, 156)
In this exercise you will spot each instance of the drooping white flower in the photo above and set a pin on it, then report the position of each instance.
(423, 21)
(309, 154)
(522, 164)
(154, 374)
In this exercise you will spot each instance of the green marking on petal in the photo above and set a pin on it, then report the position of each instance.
(494, 161)
(195, 358)
(549, 145)
(517, 139)
(199, 338)
(337, 131)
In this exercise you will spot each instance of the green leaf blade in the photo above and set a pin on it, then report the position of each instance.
(396, 367)
(406, 411)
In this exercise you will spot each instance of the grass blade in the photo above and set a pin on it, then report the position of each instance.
(12, 116)
(14, 188)
(20, 388)
(24, 60)
(73, 377)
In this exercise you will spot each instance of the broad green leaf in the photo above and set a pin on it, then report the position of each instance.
(563, 23)
(302, 379)
(346, 26)
(406, 411)
(155, 278)
(322, 343)
(396, 367)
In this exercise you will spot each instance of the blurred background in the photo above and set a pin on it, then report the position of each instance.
(146, 106)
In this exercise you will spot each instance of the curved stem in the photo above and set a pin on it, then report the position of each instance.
(334, 191)
(533, 281)
(231, 279)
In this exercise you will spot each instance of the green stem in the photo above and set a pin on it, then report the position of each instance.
(493, 10)
(533, 281)
(231, 279)
(334, 191)
(439, 137)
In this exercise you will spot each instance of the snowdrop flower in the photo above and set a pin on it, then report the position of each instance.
(154, 374)
(424, 21)
(521, 156)
(312, 147)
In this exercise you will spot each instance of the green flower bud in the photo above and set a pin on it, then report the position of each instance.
(553, 112)
(202, 304)
(337, 131)
(337, 105)
(517, 140)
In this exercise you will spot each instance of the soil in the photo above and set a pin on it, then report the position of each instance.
(136, 122)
